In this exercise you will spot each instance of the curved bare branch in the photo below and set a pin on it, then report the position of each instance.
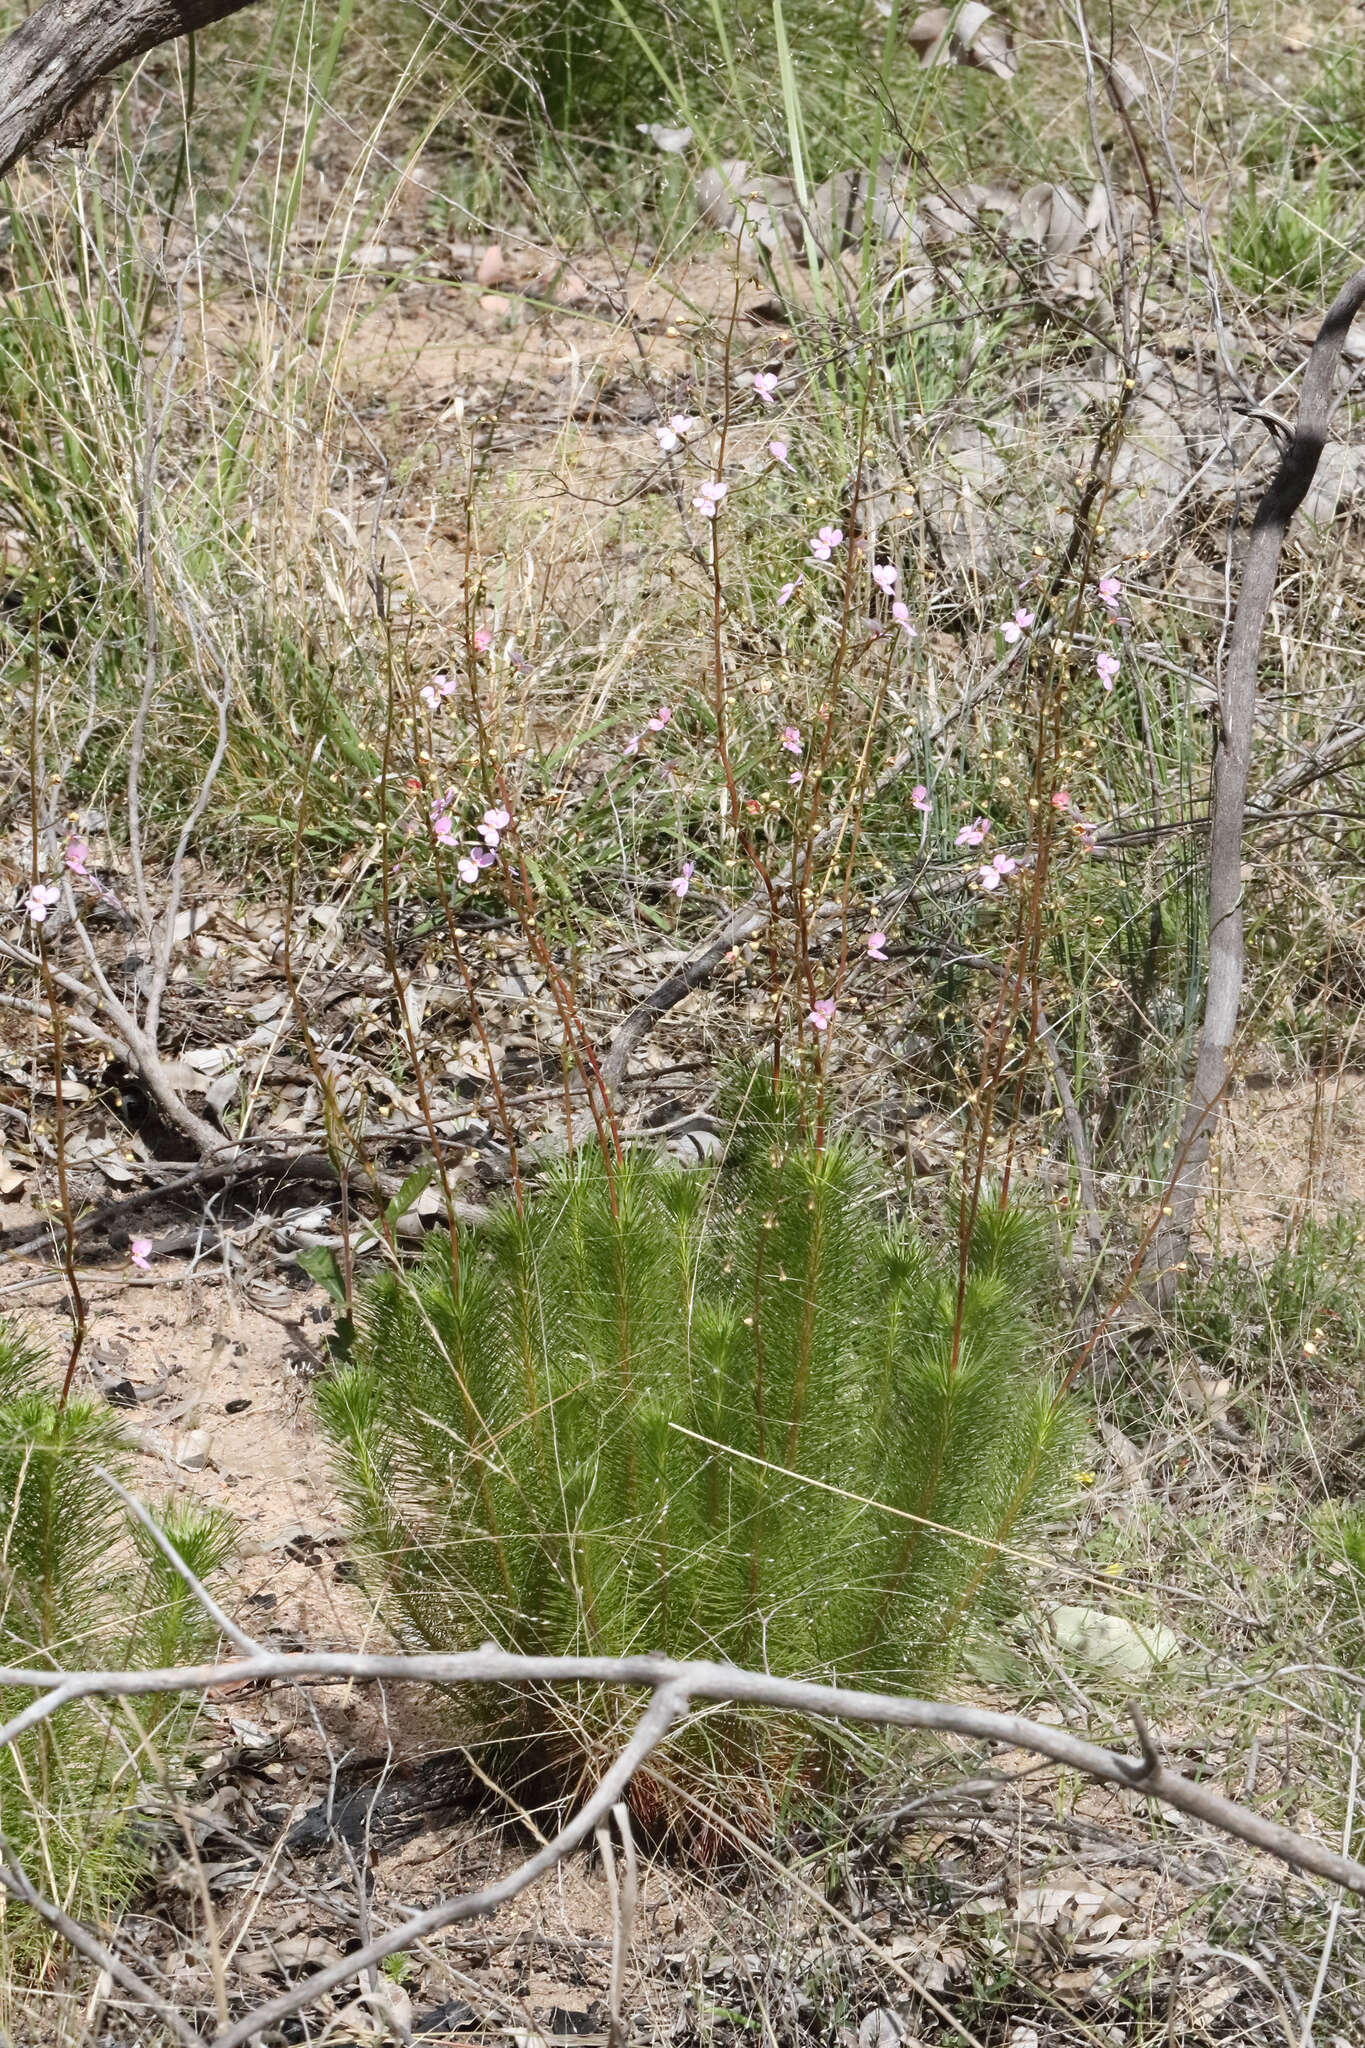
(67, 46)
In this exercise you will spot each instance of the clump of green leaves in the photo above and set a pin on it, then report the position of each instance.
(741, 1416)
(82, 1586)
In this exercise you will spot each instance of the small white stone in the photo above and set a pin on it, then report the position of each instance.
(1111, 1644)
(194, 1450)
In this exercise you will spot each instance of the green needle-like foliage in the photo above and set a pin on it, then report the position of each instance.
(734, 1416)
(83, 1587)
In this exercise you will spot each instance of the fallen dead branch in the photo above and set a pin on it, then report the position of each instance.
(310, 1167)
(673, 1685)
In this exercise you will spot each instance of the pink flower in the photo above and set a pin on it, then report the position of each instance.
(973, 834)
(796, 778)
(430, 695)
(791, 739)
(765, 384)
(788, 591)
(919, 798)
(884, 576)
(140, 1252)
(473, 862)
(821, 1014)
(876, 946)
(825, 542)
(1109, 590)
(684, 881)
(901, 614)
(1016, 627)
(632, 745)
(708, 499)
(483, 639)
(442, 831)
(1108, 666)
(77, 854)
(41, 898)
(660, 718)
(677, 430)
(1062, 799)
(990, 878)
(778, 451)
(492, 826)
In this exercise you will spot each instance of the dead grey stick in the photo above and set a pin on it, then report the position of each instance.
(722, 1683)
(66, 47)
(139, 1048)
(698, 968)
(1231, 769)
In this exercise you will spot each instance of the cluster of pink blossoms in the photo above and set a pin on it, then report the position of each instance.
(43, 897)
(823, 544)
(443, 685)
(1108, 590)
(489, 830)
(434, 693)
(994, 871)
(675, 433)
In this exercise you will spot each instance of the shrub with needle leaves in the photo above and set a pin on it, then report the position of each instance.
(739, 1416)
(82, 1586)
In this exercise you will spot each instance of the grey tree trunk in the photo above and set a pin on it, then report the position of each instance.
(1231, 768)
(67, 46)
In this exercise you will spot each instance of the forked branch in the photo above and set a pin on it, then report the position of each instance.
(673, 1686)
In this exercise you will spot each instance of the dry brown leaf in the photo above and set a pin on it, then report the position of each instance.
(1053, 218)
(1127, 87)
(969, 34)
